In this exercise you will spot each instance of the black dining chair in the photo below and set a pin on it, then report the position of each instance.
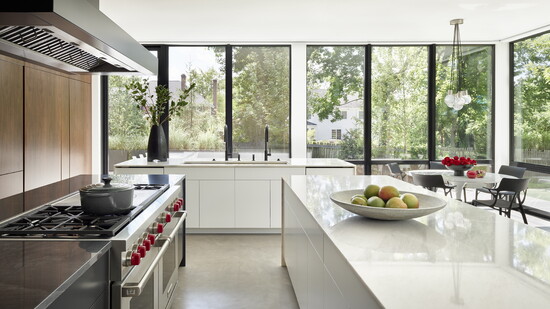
(514, 171)
(436, 165)
(516, 189)
(395, 171)
(433, 182)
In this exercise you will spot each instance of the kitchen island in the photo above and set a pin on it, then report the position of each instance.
(54, 274)
(235, 196)
(458, 257)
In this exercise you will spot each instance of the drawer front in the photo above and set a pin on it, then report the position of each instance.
(267, 173)
(203, 173)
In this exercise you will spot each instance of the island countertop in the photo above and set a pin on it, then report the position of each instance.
(181, 162)
(460, 256)
(33, 274)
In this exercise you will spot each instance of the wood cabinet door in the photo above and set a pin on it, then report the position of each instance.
(11, 117)
(46, 95)
(80, 128)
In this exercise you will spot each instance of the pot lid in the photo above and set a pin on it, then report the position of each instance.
(107, 187)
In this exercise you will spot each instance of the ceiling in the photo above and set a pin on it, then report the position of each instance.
(287, 21)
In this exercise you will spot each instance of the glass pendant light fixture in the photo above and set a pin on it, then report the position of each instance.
(457, 99)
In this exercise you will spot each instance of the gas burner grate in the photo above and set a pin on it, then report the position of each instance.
(65, 221)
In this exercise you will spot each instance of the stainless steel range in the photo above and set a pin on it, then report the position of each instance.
(147, 243)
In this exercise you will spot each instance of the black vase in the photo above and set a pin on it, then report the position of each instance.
(156, 147)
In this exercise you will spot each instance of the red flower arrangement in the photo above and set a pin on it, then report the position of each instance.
(448, 161)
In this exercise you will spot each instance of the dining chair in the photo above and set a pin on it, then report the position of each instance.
(517, 187)
(436, 165)
(514, 171)
(395, 171)
(433, 182)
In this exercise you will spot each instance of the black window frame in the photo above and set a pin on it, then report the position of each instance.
(163, 79)
(367, 160)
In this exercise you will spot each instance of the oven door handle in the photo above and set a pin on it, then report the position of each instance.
(134, 289)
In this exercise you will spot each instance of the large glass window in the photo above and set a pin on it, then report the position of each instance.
(261, 96)
(532, 100)
(399, 102)
(335, 86)
(128, 130)
(466, 132)
(198, 131)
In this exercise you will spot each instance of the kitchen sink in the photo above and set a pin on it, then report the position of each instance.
(234, 162)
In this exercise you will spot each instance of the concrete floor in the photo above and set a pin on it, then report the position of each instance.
(234, 271)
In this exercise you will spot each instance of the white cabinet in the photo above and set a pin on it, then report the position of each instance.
(275, 197)
(217, 204)
(192, 203)
(252, 204)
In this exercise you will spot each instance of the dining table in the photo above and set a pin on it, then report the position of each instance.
(460, 181)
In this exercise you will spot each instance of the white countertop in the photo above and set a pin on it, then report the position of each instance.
(179, 162)
(460, 256)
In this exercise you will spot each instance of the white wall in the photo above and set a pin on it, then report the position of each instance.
(502, 105)
(298, 100)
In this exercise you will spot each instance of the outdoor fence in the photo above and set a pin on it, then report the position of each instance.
(540, 157)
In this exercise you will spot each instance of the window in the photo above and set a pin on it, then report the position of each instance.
(198, 131)
(336, 133)
(399, 105)
(128, 130)
(335, 80)
(531, 100)
(467, 132)
(261, 96)
(361, 115)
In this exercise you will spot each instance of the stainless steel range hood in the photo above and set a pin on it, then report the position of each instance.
(71, 35)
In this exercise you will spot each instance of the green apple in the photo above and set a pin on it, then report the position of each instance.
(395, 202)
(375, 201)
(359, 201)
(411, 200)
(371, 190)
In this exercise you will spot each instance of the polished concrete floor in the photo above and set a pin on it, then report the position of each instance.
(234, 271)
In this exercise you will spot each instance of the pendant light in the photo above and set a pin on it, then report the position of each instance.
(457, 99)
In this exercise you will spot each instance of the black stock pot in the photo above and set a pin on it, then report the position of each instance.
(107, 199)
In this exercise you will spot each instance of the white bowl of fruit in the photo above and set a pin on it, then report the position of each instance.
(387, 203)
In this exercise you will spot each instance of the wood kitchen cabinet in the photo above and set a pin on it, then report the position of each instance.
(80, 125)
(11, 117)
(46, 96)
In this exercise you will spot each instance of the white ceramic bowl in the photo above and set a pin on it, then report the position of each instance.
(427, 205)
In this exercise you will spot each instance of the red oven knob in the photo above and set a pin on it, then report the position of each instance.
(168, 218)
(135, 259)
(142, 251)
(147, 244)
(176, 207)
(156, 228)
(151, 238)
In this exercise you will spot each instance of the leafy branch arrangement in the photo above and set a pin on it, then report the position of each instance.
(153, 105)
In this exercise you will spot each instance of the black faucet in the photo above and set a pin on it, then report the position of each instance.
(266, 151)
(228, 153)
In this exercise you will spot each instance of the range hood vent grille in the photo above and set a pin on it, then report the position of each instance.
(45, 43)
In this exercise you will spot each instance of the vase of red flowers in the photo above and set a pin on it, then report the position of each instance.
(458, 164)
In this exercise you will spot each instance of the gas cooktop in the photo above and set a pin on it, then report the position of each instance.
(65, 219)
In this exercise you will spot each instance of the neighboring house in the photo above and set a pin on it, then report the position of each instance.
(327, 130)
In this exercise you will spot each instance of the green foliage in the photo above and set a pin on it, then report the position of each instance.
(155, 105)
(532, 93)
(352, 144)
(339, 71)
